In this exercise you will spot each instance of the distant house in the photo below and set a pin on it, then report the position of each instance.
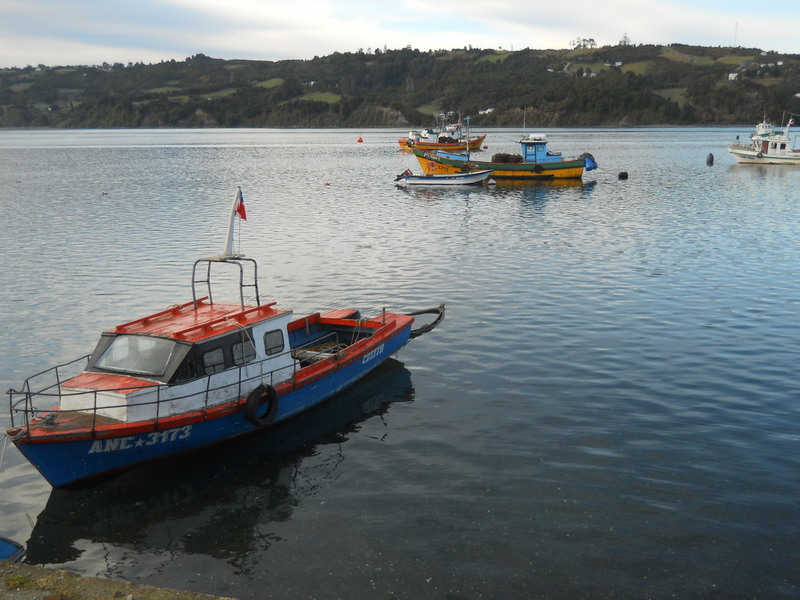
(486, 112)
(733, 76)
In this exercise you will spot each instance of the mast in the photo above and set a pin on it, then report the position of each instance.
(229, 257)
(466, 121)
(238, 202)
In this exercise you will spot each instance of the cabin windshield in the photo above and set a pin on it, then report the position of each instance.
(137, 355)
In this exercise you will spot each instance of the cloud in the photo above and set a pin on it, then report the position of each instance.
(70, 32)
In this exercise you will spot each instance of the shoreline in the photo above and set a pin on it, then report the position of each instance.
(19, 581)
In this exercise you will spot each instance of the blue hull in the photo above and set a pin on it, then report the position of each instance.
(10, 550)
(66, 463)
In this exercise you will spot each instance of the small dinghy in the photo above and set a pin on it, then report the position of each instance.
(407, 178)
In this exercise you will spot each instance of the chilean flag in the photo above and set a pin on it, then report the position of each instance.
(240, 205)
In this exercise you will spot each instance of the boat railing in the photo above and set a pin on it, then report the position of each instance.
(42, 394)
(52, 379)
(42, 400)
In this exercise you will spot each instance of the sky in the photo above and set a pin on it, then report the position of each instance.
(93, 32)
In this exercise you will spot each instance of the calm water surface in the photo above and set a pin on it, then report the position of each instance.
(609, 410)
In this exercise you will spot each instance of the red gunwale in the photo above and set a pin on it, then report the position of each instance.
(105, 429)
(394, 324)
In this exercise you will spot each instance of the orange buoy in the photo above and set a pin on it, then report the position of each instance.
(360, 140)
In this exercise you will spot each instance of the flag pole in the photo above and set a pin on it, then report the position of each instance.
(237, 209)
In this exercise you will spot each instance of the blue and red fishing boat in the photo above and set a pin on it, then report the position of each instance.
(196, 374)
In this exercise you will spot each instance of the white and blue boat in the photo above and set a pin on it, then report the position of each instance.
(768, 145)
(196, 374)
(407, 178)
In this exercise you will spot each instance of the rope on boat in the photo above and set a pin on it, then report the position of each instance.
(354, 338)
(438, 311)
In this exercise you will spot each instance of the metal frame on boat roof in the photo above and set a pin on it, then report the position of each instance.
(229, 260)
(228, 256)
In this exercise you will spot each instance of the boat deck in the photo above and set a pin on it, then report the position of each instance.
(59, 423)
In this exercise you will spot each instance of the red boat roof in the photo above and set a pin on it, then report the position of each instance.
(115, 382)
(188, 322)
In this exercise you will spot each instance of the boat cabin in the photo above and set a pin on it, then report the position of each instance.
(188, 357)
(534, 150)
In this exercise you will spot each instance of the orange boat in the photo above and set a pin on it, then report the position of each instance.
(444, 137)
(445, 144)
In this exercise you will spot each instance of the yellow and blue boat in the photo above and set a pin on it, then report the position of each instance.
(535, 163)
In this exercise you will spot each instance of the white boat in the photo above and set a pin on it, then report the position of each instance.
(768, 146)
(407, 178)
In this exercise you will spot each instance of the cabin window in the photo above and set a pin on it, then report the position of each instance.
(273, 342)
(243, 352)
(187, 371)
(214, 361)
(137, 355)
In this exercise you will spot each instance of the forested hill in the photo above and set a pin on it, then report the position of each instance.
(625, 85)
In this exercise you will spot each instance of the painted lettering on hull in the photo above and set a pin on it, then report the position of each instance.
(370, 355)
(131, 442)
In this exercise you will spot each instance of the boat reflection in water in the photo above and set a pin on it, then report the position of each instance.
(172, 508)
